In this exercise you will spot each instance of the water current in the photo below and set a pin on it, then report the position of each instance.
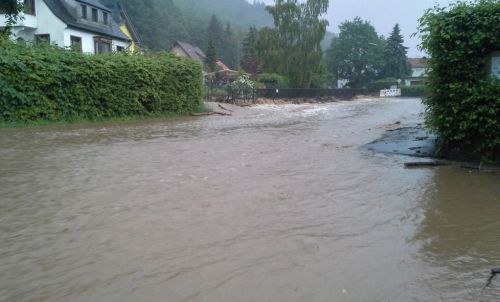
(274, 203)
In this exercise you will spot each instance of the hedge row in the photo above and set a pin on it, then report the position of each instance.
(413, 91)
(464, 101)
(48, 83)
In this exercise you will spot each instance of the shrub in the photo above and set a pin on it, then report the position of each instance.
(378, 85)
(463, 106)
(413, 91)
(273, 80)
(242, 88)
(48, 83)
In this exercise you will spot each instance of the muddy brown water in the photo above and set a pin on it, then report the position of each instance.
(275, 203)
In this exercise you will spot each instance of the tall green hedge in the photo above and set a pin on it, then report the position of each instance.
(49, 83)
(464, 101)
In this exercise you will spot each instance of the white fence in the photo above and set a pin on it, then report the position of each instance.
(390, 92)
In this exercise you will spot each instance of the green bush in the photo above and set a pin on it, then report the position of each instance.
(48, 83)
(413, 91)
(378, 85)
(463, 106)
(273, 80)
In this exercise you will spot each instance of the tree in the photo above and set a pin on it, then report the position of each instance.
(231, 48)
(215, 33)
(396, 62)
(357, 53)
(250, 60)
(211, 55)
(12, 11)
(299, 32)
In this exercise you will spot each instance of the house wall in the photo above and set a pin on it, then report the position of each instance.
(24, 21)
(418, 72)
(179, 52)
(45, 22)
(87, 39)
(126, 31)
(117, 43)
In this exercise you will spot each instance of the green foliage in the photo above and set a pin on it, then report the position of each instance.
(381, 84)
(250, 59)
(396, 61)
(236, 12)
(211, 56)
(357, 54)
(413, 91)
(12, 10)
(48, 83)
(297, 39)
(162, 22)
(273, 80)
(269, 54)
(231, 50)
(464, 103)
(242, 88)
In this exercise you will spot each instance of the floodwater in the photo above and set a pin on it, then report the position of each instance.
(274, 203)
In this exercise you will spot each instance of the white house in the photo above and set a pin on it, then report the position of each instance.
(418, 71)
(85, 24)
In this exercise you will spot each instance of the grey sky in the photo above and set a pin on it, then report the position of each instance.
(383, 14)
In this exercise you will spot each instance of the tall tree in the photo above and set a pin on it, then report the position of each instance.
(231, 50)
(300, 32)
(270, 54)
(357, 53)
(396, 61)
(211, 55)
(215, 33)
(250, 61)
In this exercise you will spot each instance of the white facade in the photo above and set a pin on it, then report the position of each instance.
(88, 40)
(45, 22)
(418, 72)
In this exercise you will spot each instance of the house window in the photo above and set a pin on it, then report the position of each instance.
(120, 48)
(7, 7)
(76, 43)
(105, 18)
(84, 11)
(95, 18)
(102, 45)
(29, 7)
(42, 39)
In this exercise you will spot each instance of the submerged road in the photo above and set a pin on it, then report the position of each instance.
(274, 203)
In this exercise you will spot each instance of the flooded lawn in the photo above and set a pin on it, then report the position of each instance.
(274, 203)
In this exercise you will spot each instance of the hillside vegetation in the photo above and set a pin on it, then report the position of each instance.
(237, 12)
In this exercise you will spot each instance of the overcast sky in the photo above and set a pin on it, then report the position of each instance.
(383, 14)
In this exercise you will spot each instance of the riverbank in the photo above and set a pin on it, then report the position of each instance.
(414, 140)
(205, 107)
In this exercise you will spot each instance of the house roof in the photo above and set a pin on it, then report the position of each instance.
(95, 3)
(193, 52)
(417, 62)
(61, 11)
(121, 17)
(222, 65)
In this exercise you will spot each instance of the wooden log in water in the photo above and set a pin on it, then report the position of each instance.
(209, 113)
(425, 164)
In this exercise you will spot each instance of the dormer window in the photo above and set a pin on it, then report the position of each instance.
(105, 18)
(95, 16)
(84, 11)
